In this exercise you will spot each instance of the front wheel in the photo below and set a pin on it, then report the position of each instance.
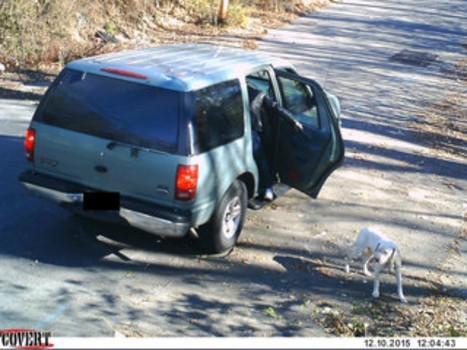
(221, 232)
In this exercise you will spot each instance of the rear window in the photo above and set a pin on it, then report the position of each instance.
(218, 115)
(115, 109)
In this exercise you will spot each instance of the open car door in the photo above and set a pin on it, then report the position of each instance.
(305, 157)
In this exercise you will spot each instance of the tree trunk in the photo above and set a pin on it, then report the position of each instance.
(223, 11)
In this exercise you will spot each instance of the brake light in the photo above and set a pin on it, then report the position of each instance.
(29, 142)
(187, 182)
(125, 73)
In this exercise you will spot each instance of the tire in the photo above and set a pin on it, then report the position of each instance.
(221, 232)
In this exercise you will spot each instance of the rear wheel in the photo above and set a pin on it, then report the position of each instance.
(221, 232)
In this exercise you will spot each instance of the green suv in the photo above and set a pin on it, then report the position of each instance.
(161, 138)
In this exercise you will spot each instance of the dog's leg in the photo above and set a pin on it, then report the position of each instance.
(354, 250)
(376, 281)
(399, 285)
(347, 257)
(400, 293)
(365, 266)
(394, 256)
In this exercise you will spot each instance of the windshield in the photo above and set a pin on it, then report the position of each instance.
(115, 109)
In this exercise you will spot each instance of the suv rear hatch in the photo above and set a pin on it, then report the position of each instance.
(110, 134)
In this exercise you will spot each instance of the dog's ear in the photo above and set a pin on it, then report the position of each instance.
(383, 255)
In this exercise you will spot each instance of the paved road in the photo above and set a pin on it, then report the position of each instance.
(78, 278)
(389, 179)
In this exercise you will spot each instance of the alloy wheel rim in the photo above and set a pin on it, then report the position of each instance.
(231, 218)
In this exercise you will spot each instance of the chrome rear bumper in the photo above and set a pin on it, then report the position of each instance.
(145, 216)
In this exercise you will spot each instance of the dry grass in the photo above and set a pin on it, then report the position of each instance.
(432, 316)
(47, 31)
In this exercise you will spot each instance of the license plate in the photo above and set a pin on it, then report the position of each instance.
(101, 200)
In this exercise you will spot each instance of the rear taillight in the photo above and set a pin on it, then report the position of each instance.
(29, 144)
(187, 182)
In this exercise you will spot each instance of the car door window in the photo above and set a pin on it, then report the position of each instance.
(299, 99)
(261, 81)
(306, 156)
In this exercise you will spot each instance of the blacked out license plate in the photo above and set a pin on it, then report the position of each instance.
(101, 200)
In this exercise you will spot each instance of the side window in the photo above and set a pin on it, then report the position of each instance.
(261, 81)
(218, 115)
(300, 100)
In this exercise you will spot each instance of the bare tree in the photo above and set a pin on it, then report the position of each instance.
(223, 11)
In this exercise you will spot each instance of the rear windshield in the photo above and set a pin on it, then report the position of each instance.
(114, 109)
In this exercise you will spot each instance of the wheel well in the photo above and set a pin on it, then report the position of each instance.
(249, 181)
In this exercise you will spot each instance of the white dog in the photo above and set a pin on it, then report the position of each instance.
(384, 251)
